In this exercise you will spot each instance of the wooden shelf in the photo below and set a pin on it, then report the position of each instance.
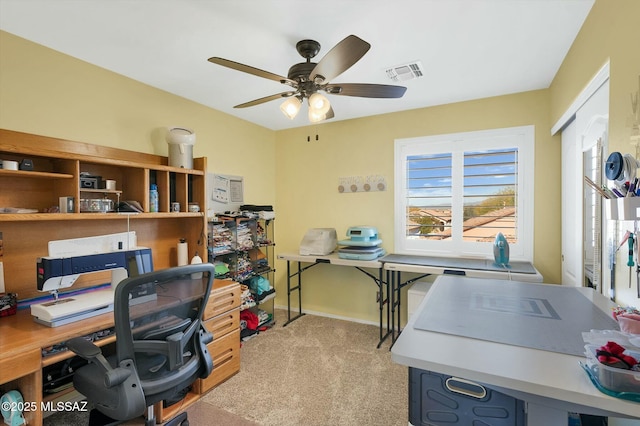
(58, 167)
(34, 174)
(27, 217)
(101, 191)
(133, 164)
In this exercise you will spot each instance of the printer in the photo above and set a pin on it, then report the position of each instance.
(319, 241)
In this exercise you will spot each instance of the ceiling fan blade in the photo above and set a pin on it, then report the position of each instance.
(265, 99)
(329, 114)
(365, 90)
(252, 70)
(340, 58)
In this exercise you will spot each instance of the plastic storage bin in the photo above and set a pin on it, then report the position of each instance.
(614, 379)
(439, 400)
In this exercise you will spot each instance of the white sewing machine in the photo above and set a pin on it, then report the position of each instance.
(68, 259)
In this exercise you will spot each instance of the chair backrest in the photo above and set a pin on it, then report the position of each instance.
(158, 322)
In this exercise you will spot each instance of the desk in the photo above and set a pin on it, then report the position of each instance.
(21, 361)
(396, 264)
(334, 259)
(22, 340)
(551, 383)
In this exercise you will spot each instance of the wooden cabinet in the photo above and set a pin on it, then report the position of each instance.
(24, 374)
(222, 319)
(27, 198)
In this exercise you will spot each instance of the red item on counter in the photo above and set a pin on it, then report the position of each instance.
(612, 355)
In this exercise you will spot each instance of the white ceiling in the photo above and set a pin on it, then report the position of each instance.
(469, 49)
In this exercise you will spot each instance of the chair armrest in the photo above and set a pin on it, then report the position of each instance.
(206, 337)
(92, 353)
(203, 338)
(83, 347)
(116, 376)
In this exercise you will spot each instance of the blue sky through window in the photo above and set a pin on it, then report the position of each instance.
(486, 173)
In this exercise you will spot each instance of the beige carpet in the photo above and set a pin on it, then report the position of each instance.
(315, 371)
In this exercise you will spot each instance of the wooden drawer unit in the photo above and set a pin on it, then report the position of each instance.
(223, 324)
(224, 297)
(222, 319)
(225, 352)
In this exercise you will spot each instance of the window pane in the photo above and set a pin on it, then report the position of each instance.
(429, 196)
(490, 183)
(455, 192)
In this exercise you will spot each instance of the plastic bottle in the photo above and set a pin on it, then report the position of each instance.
(196, 260)
(153, 198)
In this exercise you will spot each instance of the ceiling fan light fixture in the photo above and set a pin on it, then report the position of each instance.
(315, 116)
(291, 107)
(319, 104)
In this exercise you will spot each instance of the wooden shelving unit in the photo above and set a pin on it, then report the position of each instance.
(58, 165)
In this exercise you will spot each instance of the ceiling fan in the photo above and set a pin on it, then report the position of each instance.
(308, 78)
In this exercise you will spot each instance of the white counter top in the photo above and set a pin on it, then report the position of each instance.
(546, 380)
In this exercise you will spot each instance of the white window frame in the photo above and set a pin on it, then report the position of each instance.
(522, 138)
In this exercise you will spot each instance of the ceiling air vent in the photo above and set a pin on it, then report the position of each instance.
(405, 72)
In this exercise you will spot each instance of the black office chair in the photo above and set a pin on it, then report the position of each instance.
(161, 345)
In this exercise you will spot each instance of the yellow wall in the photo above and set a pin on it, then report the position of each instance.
(611, 32)
(45, 92)
(308, 174)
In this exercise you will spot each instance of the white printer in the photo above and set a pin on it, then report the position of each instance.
(319, 241)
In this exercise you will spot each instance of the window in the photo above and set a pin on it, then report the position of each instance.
(592, 206)
(454, 193)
